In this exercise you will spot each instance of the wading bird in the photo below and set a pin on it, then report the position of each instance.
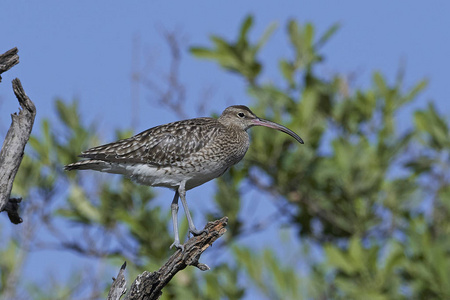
(180, 155)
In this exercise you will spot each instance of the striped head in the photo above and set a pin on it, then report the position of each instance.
(241, 117)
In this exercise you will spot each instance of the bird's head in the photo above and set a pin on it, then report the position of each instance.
(242, 117)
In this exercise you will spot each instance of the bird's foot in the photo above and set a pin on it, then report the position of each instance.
(196, 232)
(177, 245)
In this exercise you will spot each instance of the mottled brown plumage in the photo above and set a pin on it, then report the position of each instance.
(179, 155)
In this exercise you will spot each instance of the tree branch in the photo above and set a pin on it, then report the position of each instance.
(8, 60)
(149, 285)
(119, 286)
(12, 150)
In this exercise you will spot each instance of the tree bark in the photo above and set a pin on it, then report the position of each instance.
(8, 60)
(13, 147)
(119, 286)
(149, 285)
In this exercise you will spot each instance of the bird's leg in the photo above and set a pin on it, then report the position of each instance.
(174, 208)
(182, 192)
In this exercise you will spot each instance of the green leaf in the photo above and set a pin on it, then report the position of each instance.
(415, 91)
(339, 260)
(434, 125)
(357, 253)
(380, 82)
(421, 164)
(327, 35)
(294, 35)
(265, 37)
(84, 209)
(203, 52)
(308, 36)
(245, 27)
(287, 69)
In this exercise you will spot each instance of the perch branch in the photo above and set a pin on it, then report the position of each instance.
(149, 285)
(12, 150)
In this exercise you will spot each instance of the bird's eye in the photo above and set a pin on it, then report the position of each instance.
(241, 115)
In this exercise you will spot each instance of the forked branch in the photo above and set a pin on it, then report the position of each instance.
(8, 60)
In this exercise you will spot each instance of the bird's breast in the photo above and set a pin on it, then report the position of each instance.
(211, 161)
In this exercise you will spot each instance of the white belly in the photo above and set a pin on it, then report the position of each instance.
(166, 177)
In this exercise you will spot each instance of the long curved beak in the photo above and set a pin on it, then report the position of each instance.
(266, 123)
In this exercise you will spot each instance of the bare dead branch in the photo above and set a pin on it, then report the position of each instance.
(119, 286)
(13, 148)
(149, 285)
(8, 60)
(12, 209)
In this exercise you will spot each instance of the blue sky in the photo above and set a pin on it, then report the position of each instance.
(83, 50)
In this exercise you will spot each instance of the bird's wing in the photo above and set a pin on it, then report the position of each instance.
(160, 146)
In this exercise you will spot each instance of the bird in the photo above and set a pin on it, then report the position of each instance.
(180, 155)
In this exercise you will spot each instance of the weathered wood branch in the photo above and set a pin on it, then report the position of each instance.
(13, 148)
(12, 209)
(8, 60)
(149, 285)
(119, 286)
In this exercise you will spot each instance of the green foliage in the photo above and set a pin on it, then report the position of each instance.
(434, 126)
(273, 280)
(355, 182)
(361, 271)
(228, 201)
(8, 263)
(428, 264)
(240, 56)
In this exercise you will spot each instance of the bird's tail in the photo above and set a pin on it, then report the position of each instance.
(90, 164)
